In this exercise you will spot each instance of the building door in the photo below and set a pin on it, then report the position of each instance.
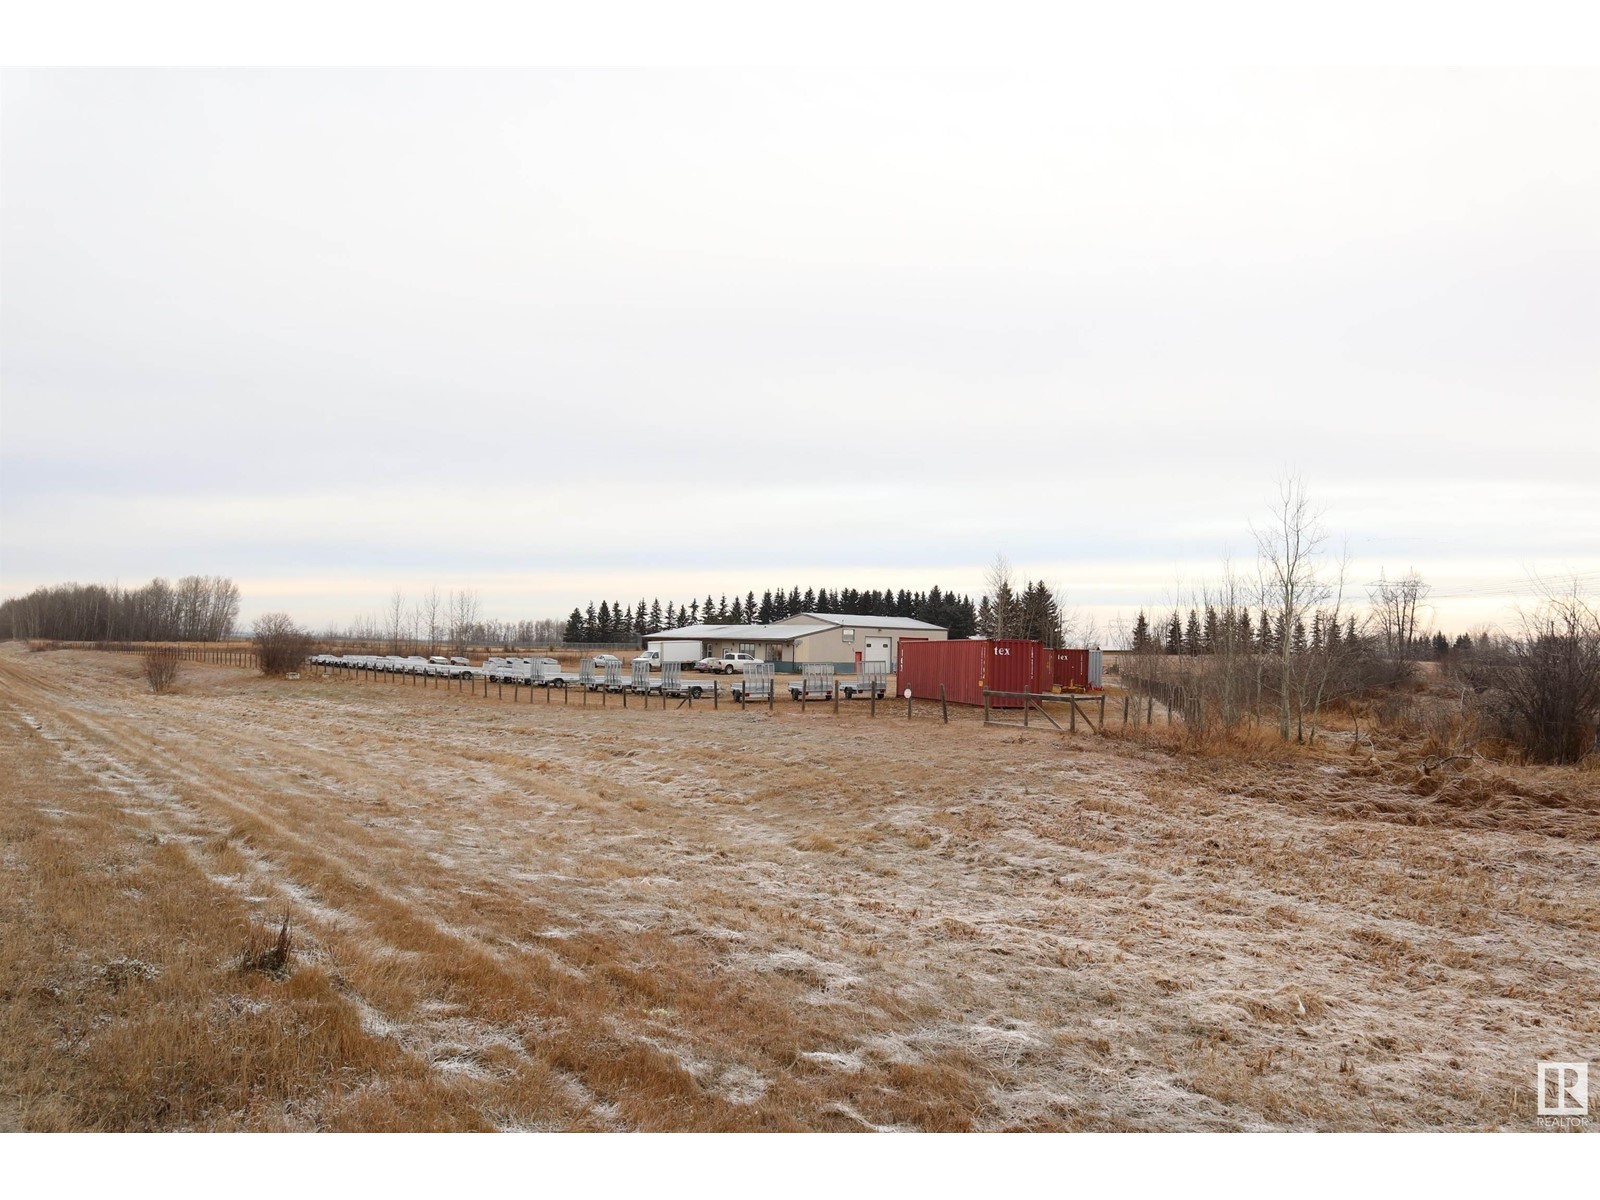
(878, 651)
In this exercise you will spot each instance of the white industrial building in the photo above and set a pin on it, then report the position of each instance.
(844, 639)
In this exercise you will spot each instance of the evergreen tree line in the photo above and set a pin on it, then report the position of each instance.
(198, 608)
(1206, 631)
(1031, 614)
(619, 622)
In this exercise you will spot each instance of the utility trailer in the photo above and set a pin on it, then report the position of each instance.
(674, 684)
(816, 684)
(757, 682)
(873, 681)
(547, 673)
(608, 678)
(644, 683)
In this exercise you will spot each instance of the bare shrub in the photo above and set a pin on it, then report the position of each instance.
(281, 645)
(1542, 688)
(160, 668)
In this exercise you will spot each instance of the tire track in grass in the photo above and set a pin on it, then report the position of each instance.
(581, 1044)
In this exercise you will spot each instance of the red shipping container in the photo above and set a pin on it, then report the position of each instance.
(1072, 670)
(966, 668)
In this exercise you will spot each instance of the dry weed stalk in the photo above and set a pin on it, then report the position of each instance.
(267, 954)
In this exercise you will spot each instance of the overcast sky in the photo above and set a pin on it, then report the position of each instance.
(561, 336)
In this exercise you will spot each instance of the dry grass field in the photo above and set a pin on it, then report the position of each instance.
(547, 917)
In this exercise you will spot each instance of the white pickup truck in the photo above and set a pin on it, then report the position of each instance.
(730, 663)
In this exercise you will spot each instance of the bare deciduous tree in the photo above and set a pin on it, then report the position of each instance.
(1003, 603)
(396, 620)
(200, 608)
(463, 617)
(1394, 613)
(432, 609)
(1287, 545)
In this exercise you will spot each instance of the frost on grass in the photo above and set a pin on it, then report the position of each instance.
(582, 917)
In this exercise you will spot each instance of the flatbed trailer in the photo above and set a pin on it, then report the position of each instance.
(815, 683)
(872, 681)
(757, 684)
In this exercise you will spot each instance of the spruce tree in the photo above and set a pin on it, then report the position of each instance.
(736, 614)
(1191, 634)
(574, 630)
(655, 615)
(1141, 632)
(764, 613)
(969, 616)
(1174, 634)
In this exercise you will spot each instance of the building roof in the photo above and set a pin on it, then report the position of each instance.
(735, 633)
(871, 622)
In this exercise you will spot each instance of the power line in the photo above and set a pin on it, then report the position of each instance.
(1532, 586)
